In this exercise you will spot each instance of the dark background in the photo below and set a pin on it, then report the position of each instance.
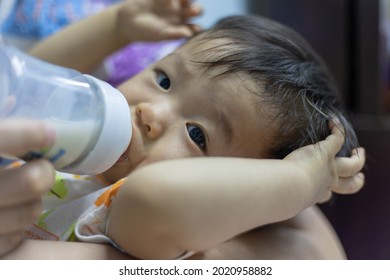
(348, 35)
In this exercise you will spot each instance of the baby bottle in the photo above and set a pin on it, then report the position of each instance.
(92, 119)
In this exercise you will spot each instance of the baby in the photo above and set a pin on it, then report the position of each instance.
(220, 134)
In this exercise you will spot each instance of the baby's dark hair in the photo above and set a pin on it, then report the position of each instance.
(288, 75)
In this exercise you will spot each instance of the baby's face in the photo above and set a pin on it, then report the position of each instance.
(179, 110)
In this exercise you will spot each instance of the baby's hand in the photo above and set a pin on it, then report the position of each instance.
(327, 173)
(154, 20)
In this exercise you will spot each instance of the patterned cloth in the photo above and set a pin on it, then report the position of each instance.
(41, 18)
(77, 208)
(75, 202)
(25, 22)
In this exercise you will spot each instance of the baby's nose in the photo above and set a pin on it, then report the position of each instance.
(152, 120)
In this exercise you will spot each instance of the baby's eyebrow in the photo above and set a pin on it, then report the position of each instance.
(179, 62)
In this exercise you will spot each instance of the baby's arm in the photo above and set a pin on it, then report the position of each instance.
(84, 45)
(194, 204)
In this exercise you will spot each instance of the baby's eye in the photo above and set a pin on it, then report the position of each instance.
(163, 80)
(197, 136)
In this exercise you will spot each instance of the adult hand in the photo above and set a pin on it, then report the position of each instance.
(21, 188)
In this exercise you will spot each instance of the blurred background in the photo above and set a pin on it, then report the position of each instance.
(353, 38)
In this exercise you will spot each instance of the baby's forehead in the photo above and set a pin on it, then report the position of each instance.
(209, 56)
(206, 48)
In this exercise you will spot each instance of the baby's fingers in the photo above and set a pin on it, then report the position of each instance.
(348, 170)
(335, 140)
(176, 32)
(347, 167)
(191, 11)
(350, 184)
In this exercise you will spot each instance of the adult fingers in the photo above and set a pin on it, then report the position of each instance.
(9, 241)
(16, 218)
(19, 136)
(23, 184)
